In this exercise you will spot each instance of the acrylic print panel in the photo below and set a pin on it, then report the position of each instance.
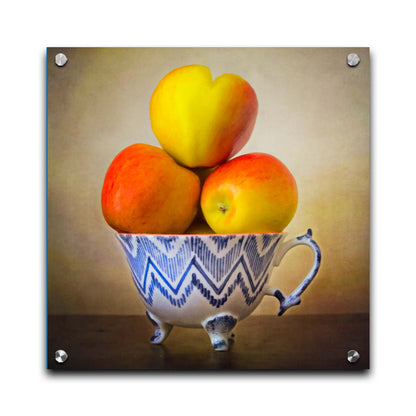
(198, 220)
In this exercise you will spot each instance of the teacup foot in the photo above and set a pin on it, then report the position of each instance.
(162, 329)
(219, 329)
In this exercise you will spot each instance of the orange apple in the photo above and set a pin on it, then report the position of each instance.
(199, 121)
(146, 191)
(253, 193)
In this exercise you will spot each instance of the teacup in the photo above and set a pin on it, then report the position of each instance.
(213, 281)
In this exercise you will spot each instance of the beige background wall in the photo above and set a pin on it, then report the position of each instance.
(313, 115)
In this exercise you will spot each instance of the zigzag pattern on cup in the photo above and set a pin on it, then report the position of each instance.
(241, 261)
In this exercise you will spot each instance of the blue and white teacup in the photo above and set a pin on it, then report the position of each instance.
(213, 281)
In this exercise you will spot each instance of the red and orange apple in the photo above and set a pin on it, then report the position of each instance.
(253, 193)
(146, 191)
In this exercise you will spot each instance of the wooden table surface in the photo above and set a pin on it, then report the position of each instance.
(261, 343)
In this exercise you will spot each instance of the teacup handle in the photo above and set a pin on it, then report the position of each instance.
(294, 298)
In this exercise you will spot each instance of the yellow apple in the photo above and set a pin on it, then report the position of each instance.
(253, 193)
(199, 121)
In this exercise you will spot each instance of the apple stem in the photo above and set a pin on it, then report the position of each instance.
(222, 207)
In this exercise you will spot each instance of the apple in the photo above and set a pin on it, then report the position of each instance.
(199, 121)
(146, 191)
(252, 193)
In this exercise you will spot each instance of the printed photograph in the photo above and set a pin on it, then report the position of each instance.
(208, 208)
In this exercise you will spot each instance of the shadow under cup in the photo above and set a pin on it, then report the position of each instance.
(212, 281)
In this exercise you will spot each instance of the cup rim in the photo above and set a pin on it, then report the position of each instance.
(198, 235)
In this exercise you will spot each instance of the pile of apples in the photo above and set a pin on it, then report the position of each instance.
(190, 185)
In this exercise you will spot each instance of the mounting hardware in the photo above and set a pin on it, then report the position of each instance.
(353, 59)
(61, 356)
(60, 59)
(353, 356)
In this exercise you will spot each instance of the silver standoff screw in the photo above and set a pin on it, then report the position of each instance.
(60, 356)
(60, 59)
(353, 356)
(353, 59)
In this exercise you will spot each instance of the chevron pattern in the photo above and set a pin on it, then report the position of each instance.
(214, 265)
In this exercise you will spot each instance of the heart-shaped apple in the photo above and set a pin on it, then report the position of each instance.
(199, 121)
